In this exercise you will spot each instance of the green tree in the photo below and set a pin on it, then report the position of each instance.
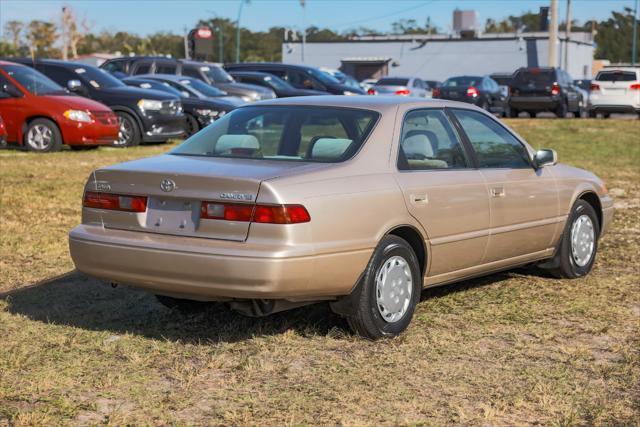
(41, 37)
(613, 37)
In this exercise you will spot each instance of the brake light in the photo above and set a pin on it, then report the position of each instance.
(555, 89)
(635, 86)
(594, 87)
(403, 92)
(372, 91)
(435, 93)
(116, 202)
(472, 91)
(269, 214)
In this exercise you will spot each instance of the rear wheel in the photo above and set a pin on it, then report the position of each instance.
(129, 133)
(389, 291)
(577, 251)
(561, 110)
(42, 135)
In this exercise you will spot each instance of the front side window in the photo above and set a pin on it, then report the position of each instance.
(495, 147)
(32, 80)
(306, 134)
(428, 142)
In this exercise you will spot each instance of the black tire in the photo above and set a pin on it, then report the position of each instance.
(564, 263)
(83, 147)
(579, 114)
(129, 134)
(513, 113)
(182, 305)
(191, 125)
(506, 112)
(42, 136)
(484, 105)
(593, 114)
(367, 319)
(561, 110)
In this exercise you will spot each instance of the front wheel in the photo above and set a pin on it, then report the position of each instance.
(389, 291)
(129, 132)
(42, 136)
(577, 251)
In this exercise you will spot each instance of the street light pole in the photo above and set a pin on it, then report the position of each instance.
(238, 31)
(553, 35)
(567, 36)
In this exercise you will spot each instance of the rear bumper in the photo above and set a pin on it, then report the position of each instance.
(534, 103)
(614, 108)
(205, 269)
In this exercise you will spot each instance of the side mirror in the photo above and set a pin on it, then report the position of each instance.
(74, 85)
(11, 90)
(544, 158)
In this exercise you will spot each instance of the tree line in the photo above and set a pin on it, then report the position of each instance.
(71, 37)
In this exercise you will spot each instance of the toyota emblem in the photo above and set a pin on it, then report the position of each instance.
(167, 185)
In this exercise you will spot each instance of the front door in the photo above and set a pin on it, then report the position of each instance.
(8, 110)
(524, 200)
(442, 191)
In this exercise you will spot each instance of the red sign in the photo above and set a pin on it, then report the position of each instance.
(204, 33)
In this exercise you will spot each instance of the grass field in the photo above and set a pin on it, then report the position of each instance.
(509, 349)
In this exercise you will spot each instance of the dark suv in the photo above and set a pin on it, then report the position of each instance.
(210, 73)
(299, 76)
(544, 89)
(144, 115)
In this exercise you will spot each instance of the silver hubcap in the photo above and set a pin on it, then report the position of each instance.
(125, 132)
(582, 240)
(40, 137)
(394, 286)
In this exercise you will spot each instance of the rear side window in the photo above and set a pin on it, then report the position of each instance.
(305, 134)
(495, 147)
(114, 66)
(428, 142)
(191, 72)
(534, 78)
(616, 76)
(165, 68)
(143, 68)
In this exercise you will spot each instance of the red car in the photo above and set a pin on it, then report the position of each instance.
(3, 132)
(41, 115)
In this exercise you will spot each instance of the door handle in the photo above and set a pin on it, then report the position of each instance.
(419, 199)
(498, 192)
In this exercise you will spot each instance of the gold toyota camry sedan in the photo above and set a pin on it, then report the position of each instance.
(357, 200)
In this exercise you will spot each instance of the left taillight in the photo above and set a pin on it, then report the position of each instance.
(472, 92)
(266, 214)
(403, 92)
(116, 202)
(555, 89)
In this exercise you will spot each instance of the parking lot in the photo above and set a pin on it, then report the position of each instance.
(511, 348)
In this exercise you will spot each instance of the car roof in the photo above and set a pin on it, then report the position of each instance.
(271, 64)
(251, 73)
(376, 103)
(47, 61)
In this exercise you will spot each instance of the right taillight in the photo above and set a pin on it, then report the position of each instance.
(372, 91)
(555, 89)
(116, 202)
(403, 92)
(266, 214)
(436, 92)
(635, 86)
(594, 87)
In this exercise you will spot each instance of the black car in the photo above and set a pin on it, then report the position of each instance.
(144, 115)
(275, 83)
(482, 91)
(299, 76)
(209, 73)
(537, 90)
(198, 112)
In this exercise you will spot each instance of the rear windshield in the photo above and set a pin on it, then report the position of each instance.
(392, 82)
(462, 81)
(502, 80)
(534, 78)
(293, 133)
(616, 76)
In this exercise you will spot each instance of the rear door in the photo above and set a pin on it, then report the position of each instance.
(443, 191)
(524, 201)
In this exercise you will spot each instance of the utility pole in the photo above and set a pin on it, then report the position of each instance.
(220, 44)
(634, 47)
(567, 36)
(186, 42)
(304, 28)
(553, 35)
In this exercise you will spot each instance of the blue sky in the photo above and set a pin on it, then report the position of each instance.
(147, 16)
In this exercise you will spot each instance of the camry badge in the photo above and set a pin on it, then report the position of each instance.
(237, 196)
(167, 185)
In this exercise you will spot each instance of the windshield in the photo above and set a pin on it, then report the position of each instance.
(33, 81)
(392, 82)
(325, 78)
(307, 134)
(217, 74)
(201, 87)
(97, 77)
(616, 76)
(462, 81)
(148, 84)
(277, 83)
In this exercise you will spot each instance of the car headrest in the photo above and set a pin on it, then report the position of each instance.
(226, 143)
(417, 144)
(329, 148)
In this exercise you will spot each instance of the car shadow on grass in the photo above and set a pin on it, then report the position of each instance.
(74, 299)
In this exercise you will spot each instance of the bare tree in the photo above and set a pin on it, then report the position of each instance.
(73, 31)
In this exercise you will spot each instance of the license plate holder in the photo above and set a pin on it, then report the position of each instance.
(165, 215)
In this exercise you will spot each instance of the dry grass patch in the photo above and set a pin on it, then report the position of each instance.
(512, 348)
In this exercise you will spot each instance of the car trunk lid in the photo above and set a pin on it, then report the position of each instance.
(176, 186)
